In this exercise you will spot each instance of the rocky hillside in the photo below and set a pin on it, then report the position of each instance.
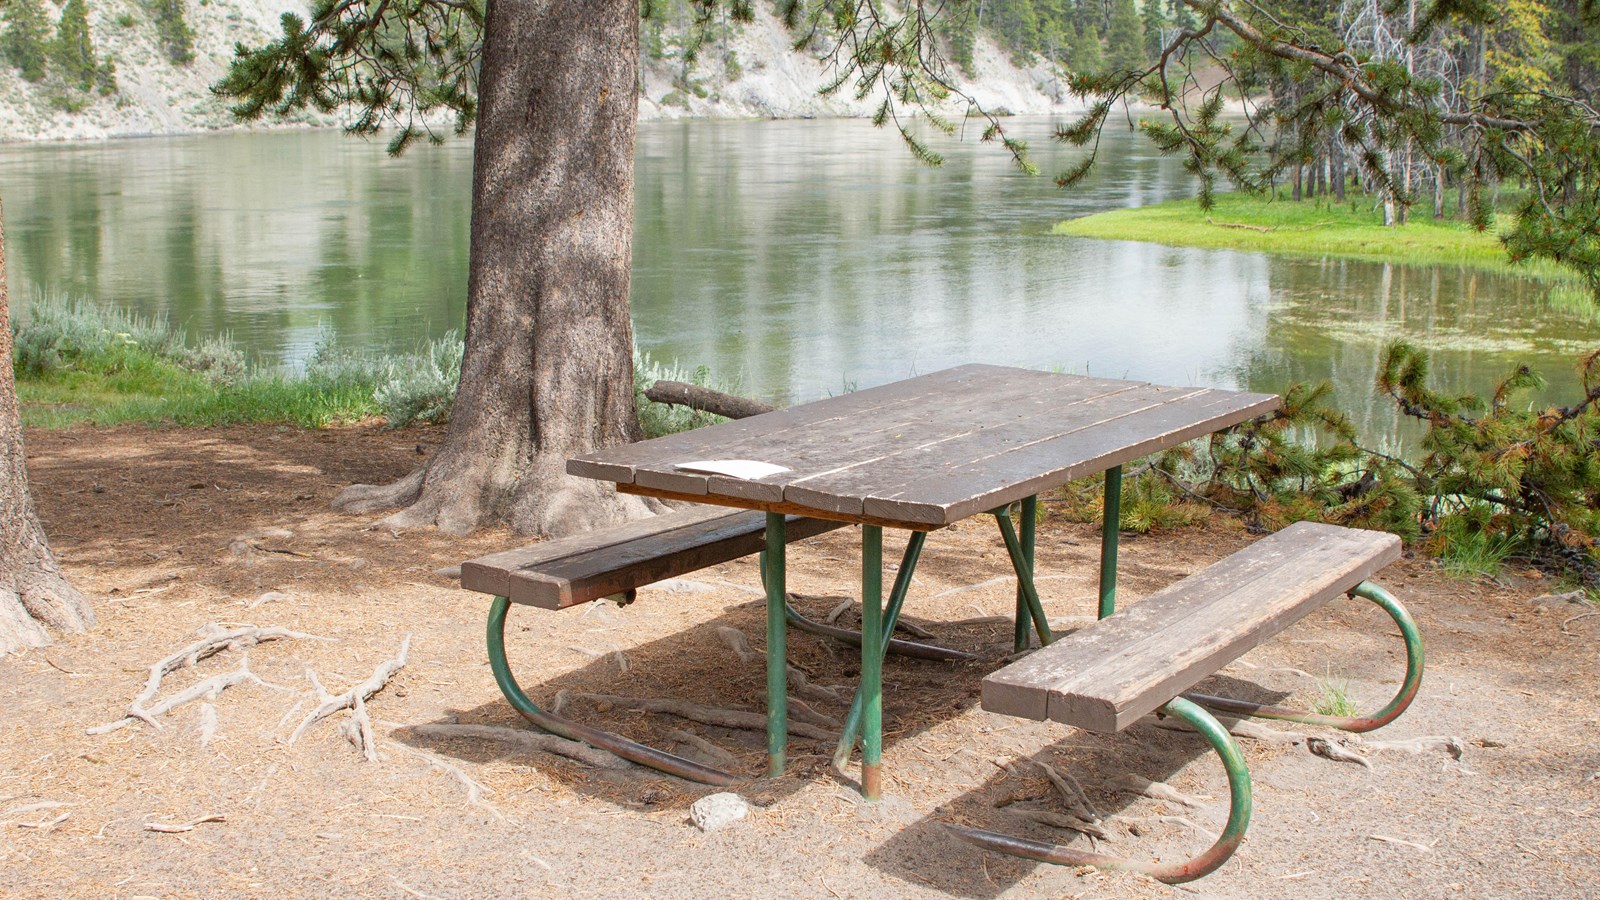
(750, 72)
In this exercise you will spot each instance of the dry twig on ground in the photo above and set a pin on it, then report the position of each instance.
(1157, 790)
(165, 828)
(215, 640)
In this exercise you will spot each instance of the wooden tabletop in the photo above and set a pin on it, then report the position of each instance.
(931, 450)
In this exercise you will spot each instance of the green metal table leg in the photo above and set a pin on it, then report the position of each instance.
(897, 598)
(1030, 512)
(1172, 873)
(573, 731)
(871, 660)
(1109, 531)
(775, 576)
(1390, 712)
(1024, 569)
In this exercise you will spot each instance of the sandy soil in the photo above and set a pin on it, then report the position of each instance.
(172, 530)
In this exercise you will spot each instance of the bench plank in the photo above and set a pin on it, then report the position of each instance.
(584, 567)
(1107, 676)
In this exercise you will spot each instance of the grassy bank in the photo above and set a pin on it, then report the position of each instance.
(81, 363)
(1314, 228)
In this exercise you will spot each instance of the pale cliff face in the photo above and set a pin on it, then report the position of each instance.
(768, 80)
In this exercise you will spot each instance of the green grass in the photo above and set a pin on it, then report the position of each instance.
(1335, 697)
(1315, 228)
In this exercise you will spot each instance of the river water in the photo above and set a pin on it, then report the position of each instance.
(795, 259)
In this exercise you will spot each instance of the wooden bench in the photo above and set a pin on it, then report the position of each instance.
(619, 560)
(1140, 660)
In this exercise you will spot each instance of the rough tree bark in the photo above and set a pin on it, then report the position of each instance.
(33, 592)
(548, 371)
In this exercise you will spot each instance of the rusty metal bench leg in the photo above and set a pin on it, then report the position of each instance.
(1402, 699)
(1172, 873)
(621, 746)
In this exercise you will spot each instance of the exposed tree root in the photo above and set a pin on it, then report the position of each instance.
(475, 788)
(527, 740)
(1245, 728)
(1071, 791)
(358, 728)
(799, 709)
(1060, 820)
(738, 643)
(164, 828)
(705, 715)
(801, 684)
(1333, 751)
(1157, 790)
(1136, 825)
(215, 641)
(719, 757)
(1448, 743)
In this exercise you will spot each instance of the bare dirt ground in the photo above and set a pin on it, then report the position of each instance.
(170, 530)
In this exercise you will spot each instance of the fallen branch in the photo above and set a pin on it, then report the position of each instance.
(1157, 790)
(706, 715)
(526, 740)
(358, 729)
(705, 399)
(215, 641)
(164, 828)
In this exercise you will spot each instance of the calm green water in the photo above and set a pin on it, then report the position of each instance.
(799, 258)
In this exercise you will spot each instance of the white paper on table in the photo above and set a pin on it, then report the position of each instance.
(747, 469)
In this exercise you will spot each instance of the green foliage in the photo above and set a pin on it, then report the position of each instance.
(1334, 699)
(422, 388)
(26, 40)
(72, 51)
(177, 38)
(393, 63)
(1125, 49)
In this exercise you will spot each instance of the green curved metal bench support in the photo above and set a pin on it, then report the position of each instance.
(574, 731)
(1358, 724)
(1239, 809)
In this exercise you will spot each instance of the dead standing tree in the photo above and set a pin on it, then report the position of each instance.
(34, 595)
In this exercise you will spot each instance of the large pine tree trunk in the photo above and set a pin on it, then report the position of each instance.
(548, 370)
(33, 593)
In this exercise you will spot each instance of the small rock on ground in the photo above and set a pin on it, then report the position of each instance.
(715, 811)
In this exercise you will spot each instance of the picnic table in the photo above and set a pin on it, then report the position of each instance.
(923, 454)
(919, 455)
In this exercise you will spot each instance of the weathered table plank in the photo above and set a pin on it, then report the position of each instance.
(1110, 674)
(583, 567)
(931, 450)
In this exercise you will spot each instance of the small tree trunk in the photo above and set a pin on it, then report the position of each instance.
(1438, 192)
(33, 592)
(1336, 163)
(1298, 172)
(548, 371)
